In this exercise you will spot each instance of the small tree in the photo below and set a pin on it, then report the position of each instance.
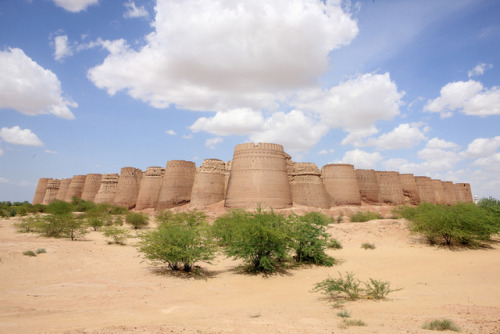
(137, 220)
(118, 234)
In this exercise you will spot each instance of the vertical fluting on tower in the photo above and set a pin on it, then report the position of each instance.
(127, 188)
(40, 191)
(177, 184)
(341, 184)
(51, 192)
(425, 189)
(390, 188)
(107, 190)
(150, 188)
(91, 187)
(75, 188)
(306, 185)
(258, 177)
(368, 186)
(209, 183)
(410, 189)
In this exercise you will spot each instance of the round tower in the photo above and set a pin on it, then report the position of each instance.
(439, 196)
(450, 194)
(107, 190)
(75, 188)
(368, 186)
(425, 189)
(177, 184)
(464, 193)
(127, 188)
(306, 185)
(40, 191)
(51, 192)
(63, 189)
(150, 188)
(390, 188)
(410, 189)
(341, 184)
(91, 187)
(209, 183)
(258, 177)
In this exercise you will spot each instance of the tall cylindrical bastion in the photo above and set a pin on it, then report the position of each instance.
(209, 183)
(368, 185)
(107, 190)
(51, 192)
(258, 177)
(306, 185)
(63, 189)
(177, 184)
(425, 189)
(439, 195)
(40, 191)
(75, 188)
(150, 188)
(91, 187)
(410, 189)
(450, 192)
(341, 184)
(390, 188)
(127, 188)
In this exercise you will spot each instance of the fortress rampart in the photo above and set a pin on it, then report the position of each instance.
(259, 174)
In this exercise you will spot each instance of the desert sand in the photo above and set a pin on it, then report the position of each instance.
(89, 286)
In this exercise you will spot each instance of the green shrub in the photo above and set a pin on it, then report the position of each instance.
(29, 253)
(364, 216)
(58, 207)
(119, 235)
(367, 245)
(136, 219)
(181, 238)
(352, 322)
(41, 251)
(29, 224)
(441, 325)
(376, 289)
(118, 220)
(334, 244)
(462, 223)
(62, 225)
(344, 314)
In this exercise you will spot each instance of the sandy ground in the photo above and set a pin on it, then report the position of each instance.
(91, 287)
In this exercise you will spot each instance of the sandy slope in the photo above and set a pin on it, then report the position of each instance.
(91, 287)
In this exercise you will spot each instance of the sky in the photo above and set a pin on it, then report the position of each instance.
(91, 86)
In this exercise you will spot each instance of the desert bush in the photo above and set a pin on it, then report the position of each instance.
(118, 235)
(352, 322)
(118, 220)
(344, 314)
(364, 216)
(28, 224)
(41, 251)
(334, 244)
(463, 223)
(62, 225)
(260, 239)
(180, 239)
(29, 253)
(58, 207)
(491, 204)
(95, 222)
(137, 220)
(441, 325)
(376, 289)
(367, 245)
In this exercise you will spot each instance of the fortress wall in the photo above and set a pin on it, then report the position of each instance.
(306, 185)
(227, 174)
(258, 177)
(341, 184)
(177, 184)
(410, 189)
(150, 188)
(51, 192)
(390, 188)
(368, 185)
(75, 188)
(40, 191)
(63, 189)
(449, 192)
(91, 186)
(439, 196)
(107, 190)
(464, 193)
(209, 183)
(127, 188)
(425, 189)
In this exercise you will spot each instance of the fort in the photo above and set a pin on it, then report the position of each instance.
(259, 175)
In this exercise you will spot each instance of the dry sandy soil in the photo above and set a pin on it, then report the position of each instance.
(89, 286)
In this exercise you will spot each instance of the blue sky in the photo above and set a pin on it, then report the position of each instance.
(90, 86)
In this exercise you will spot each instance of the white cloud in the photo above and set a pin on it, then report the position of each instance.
(294, 130)
(3, 180)
(395, 164)
(30, 89)
(479, 69)
(134, 11)
(404, 136)
(240, 121)
(189, 136)
(171, 132)
(490, 164)
(361, 159)
(75, 6)
(62, 49)
(16, 135)
(436, 143)
(482, 147)
(469, 97)
(355, 137)
(212, 142)
(51, 152)
(322, 152)
(221, 55)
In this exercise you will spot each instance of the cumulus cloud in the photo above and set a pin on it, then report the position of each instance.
(30, 89)
(132, 11)
(490, 164)
(75, 6)
(479, 69)
(212, 142)
(1, 151)
(221, 55)
(62, 48)
(171, 132)
(18, 136)
(468, 97)
(404, 136)
(240, 121)
(3, 180)
(482, 147)
(361, 159)
(322, 152)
